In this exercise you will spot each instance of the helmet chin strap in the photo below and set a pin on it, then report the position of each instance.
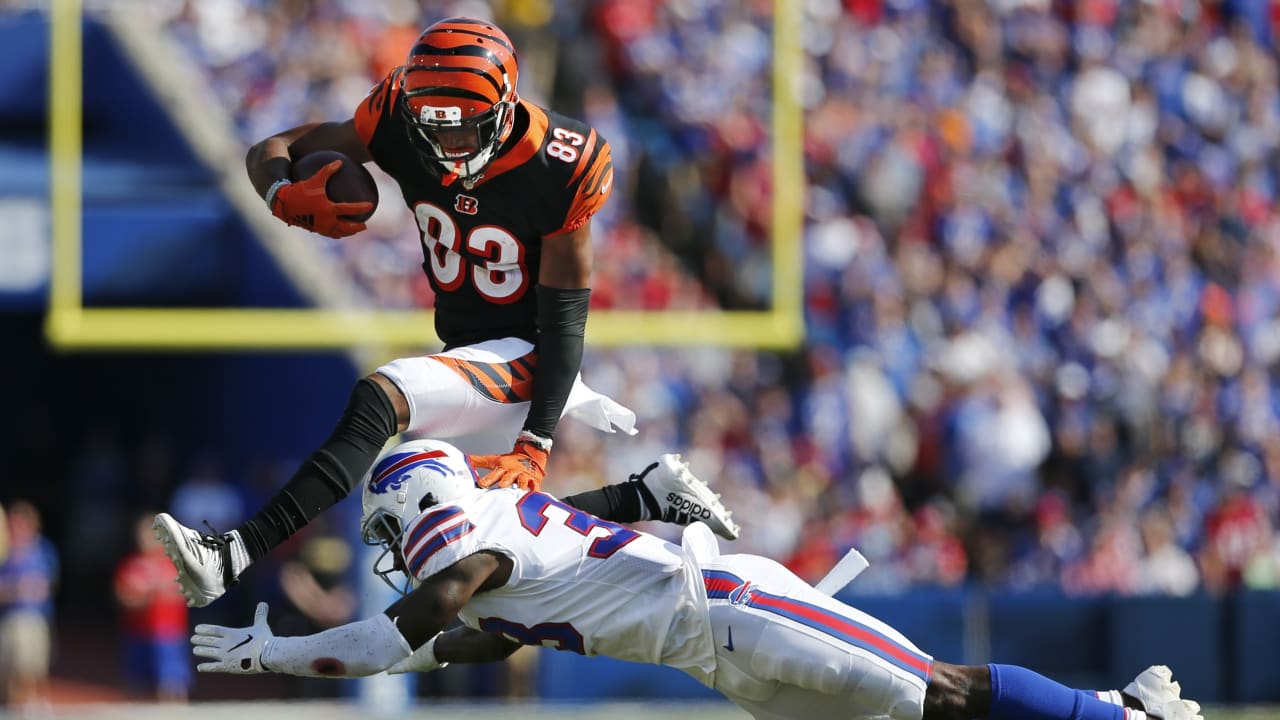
(459, 167)
(468, 181)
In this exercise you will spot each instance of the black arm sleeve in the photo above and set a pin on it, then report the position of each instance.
(562, 323)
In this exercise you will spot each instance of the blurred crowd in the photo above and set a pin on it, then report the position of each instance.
(279, 64)
(1041, 283)
(1041, 276)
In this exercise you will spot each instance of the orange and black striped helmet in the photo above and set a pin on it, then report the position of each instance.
(458, 95)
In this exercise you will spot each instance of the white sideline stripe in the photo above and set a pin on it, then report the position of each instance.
(843, 573)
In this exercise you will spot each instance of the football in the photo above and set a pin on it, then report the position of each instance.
(352, 183)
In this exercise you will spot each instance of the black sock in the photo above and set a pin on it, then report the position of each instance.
(331, 472)
(620, 502)
(642, 492)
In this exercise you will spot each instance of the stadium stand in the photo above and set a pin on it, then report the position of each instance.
(1041, 290)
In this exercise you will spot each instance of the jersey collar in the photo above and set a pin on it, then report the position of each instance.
(517, 152)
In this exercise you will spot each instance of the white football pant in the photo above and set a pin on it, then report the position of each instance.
(786, 650)
(477, 396)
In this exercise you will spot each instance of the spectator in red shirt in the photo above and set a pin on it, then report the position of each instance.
(936, 556)
(1235, 531)
(153, 620)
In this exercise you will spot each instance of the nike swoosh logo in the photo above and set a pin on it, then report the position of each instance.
(608, 182)
(241, 644)
(729, 645)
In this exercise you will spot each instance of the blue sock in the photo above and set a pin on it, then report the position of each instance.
(1020, 694)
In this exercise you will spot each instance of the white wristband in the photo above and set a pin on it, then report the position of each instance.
(270, 197)
(535, 440)
(422, 660)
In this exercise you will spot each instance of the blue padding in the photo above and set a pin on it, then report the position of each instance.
(171, 252)
(1254, 626)
(569, 676)
(24, 300)
(24, 47)
(26, 168)
(1183, 633)
(933, 620)
(296, 399)
(122, 118)
(1062, 637)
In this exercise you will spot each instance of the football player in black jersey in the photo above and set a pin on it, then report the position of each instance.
(503, 192)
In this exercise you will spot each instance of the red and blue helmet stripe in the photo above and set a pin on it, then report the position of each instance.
(389, 473)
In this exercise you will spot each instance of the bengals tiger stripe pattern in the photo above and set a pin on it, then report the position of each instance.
(509, 382)
(463, 63)
(596, 170)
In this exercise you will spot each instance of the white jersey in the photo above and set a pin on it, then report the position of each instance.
(578, 583)
(742, 624)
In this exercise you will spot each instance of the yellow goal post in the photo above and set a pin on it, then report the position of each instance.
(69, 325)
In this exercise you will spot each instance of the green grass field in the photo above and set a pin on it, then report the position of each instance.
(313, 710)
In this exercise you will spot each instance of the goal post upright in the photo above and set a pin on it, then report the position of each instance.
(72, 326)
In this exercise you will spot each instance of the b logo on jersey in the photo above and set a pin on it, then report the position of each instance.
(466, 204)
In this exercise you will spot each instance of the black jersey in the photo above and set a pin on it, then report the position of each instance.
(482, 246)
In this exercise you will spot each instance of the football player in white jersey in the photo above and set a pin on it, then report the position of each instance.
(523, 568)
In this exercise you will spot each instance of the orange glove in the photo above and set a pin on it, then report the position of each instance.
(524, 466)
(306, 204)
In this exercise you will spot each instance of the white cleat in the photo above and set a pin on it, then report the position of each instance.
(684, 499)
(1177, 710)
(1153, 688)
(205, 567)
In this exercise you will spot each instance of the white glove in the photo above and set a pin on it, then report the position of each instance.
(233, 650)
(422, 660)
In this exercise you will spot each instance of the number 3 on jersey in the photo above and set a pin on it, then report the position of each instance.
(501, 278)
(532, 509)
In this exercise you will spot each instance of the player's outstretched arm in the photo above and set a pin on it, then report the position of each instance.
(468, 645)
(357, 649)
(353, 650)
(459, 645)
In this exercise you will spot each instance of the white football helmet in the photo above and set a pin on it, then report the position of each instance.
(403, 482)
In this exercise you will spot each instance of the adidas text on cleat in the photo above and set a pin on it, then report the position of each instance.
(684, 499)
(204, 562)
(1153, 689)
